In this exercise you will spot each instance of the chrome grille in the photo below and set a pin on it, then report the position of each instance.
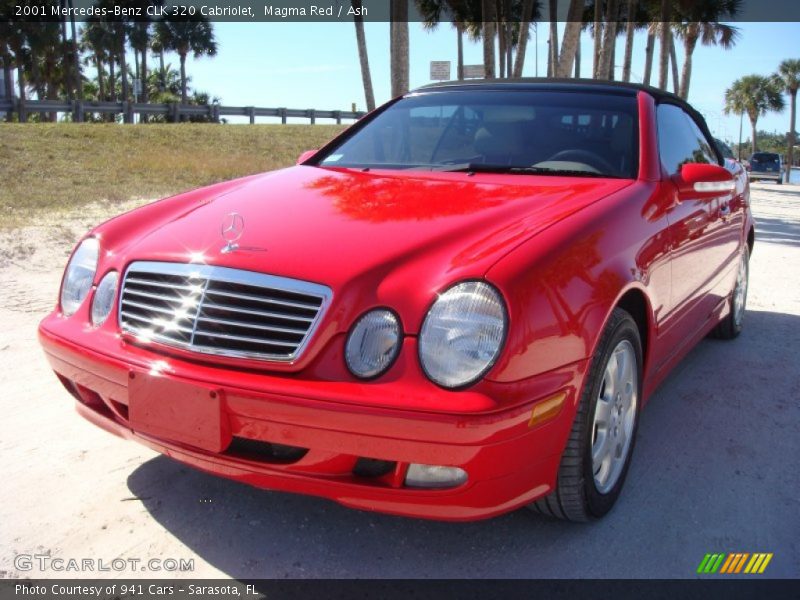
(222, 311)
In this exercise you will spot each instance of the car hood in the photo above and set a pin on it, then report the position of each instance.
(383, 237)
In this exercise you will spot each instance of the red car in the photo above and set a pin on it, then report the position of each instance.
(456, 308)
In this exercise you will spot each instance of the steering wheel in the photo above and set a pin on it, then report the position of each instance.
(586, 157)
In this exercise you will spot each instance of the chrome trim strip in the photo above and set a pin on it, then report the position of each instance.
(265, 299)
(247, 324)
(257, 313)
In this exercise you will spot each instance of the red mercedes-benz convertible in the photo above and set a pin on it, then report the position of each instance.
(456, 308)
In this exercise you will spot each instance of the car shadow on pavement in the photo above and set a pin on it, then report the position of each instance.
(709, 474)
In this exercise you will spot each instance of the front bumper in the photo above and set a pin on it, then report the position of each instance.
(509, 462)
(776, 175)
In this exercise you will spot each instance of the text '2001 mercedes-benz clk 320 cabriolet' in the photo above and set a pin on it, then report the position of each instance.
(456, 308)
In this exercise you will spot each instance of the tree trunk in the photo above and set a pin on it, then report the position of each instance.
(648, 57)
(184, 93)
(398, 51)
(101, 86)
(67, 74)
(112, 79)
(578, 57)
(792, 115)
(163, 74)
(553, 58)
(629, 32)
(673, 61)
(598, 36)
(460, 52)
(501, 48)
(524, 34)
(569, 47)
(21, 84)
(663, 48)
(123, 68)
(509, 41)
(754, 141)
(76, 56)
(689, 43)
(488, 16)
(8, 92)
(572, 34)
(143, 77)
(363, 57)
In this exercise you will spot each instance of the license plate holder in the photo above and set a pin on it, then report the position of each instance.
(173, 410)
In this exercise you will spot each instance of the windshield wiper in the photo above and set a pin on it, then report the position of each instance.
(488, 168)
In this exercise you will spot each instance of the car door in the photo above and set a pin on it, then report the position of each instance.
(692, 226)
(726, 230)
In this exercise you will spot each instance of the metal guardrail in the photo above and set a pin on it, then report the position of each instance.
(172, 111)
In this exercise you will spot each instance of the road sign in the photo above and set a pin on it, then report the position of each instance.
(440, 70)
(473, 72)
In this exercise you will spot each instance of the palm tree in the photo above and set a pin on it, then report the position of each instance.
(188, 34)
(701, 23)
(363, 57)
(788, 80)
(755, 95)
(398, 46)
(95, 39)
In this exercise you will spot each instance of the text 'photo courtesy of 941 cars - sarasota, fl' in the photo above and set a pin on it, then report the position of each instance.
(457, 308)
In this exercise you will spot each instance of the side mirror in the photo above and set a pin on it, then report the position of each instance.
(305, 156)
(704, 180)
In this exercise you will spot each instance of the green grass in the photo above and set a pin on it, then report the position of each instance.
(50, 168)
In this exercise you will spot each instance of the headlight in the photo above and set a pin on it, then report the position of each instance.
(79, 276)
(373, 344)
(104, 298)
(462, 334)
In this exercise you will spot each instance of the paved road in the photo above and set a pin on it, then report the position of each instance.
(715, 470)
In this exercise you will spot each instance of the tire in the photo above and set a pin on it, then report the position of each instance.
(780, 182)
(731, 326)
(582, 493)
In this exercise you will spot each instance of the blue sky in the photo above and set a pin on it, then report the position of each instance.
(315, 65)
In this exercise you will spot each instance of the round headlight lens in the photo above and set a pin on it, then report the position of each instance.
(79, 276)
(104, 298)
(373, 344)
(462, 334)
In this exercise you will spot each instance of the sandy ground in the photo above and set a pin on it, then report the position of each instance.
(715, 468)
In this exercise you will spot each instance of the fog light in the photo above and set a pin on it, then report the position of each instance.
(434, 476)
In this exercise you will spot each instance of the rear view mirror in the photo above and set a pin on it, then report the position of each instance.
(703, 178)
(305, 156)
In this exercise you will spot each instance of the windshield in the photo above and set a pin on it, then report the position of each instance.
(576, 133)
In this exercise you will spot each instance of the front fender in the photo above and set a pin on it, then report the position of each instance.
(562, 285)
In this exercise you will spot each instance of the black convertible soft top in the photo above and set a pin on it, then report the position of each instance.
(564, 85)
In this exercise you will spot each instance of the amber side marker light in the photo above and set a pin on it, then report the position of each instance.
(547, 410)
